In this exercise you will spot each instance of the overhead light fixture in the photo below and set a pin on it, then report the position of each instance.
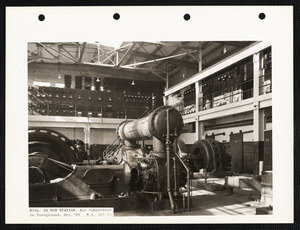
(132, 83)
(101, 88)
(98, 79)
(59, 76)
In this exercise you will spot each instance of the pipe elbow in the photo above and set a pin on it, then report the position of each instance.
(171, 201)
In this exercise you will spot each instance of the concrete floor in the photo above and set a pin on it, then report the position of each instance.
(217, 201)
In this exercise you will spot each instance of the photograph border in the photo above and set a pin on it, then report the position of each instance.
(296, 115)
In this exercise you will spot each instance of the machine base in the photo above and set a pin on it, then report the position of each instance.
(264, 211)
(147, 203)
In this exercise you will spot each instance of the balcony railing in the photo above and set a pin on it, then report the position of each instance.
(48, 109)
(227, 96)
(265, 84)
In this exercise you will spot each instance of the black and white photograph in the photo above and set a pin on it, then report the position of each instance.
(138, 128)
(123, 126)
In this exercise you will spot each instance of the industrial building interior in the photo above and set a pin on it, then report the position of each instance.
(151, 128)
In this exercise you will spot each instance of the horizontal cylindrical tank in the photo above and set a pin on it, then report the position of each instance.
(153, 125)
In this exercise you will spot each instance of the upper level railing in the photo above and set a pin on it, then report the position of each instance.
(265, 83)
(231, 94)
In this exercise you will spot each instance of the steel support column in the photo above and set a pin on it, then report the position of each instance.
(200, 59)
(87, 136)
(258, 114)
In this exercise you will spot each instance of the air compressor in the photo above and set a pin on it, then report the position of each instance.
(57, 173)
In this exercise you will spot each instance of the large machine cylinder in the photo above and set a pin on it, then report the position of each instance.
(153, 125)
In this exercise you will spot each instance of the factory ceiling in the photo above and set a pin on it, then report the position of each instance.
(161, 60)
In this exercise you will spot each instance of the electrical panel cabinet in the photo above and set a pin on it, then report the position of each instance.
(110, 101)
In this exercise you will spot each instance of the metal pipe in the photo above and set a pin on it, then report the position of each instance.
(189, 184)
(187, 171)
(183, 202)
(175, 177)
(168, 165)
(189, 188)
(158, 146)
(174, 159)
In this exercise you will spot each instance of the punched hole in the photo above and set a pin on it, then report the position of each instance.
(262, 16)
(41, 17)
(116, 16)
(186, 17)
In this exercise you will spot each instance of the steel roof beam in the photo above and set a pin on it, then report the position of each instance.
(145, 69)
(158, 59)
(42, 58)
(41, 46)
(171, 61)
(238, 44)
(126, 53)
(105, 71)
(154, 60)
(211, 51)
(171, 44)
(57, 52)
(138, 44)
(155, 51)
(93, 59)
(189, 53)
(82, 52)
(49, 53)
(218, 58)
(107, 57)
(72, 57)
(158, 48)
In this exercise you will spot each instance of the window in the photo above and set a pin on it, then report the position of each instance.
(97, 83)
(88, 83)
(78, 82)
(265, 78)
(60, 85)
(68, 81)
(232, 84)
(41, 83)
